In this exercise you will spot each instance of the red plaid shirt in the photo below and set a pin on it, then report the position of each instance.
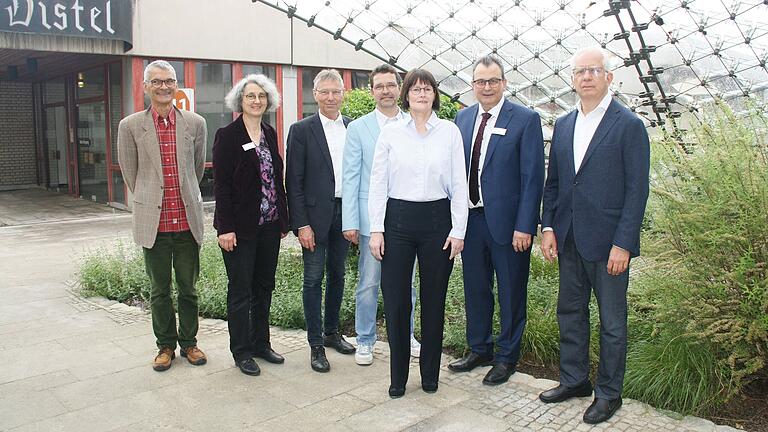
(173, 217)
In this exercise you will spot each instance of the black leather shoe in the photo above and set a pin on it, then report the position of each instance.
(337, 341)
(318, 361)
(429, 387)
(562, 393)
(469, 362)
(601, 410)
(499, 373)
(248, 367)
(271, 356)
(396, 392)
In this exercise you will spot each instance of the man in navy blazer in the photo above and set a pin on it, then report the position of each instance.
(313, 183)
(504, 154)
(594, 201)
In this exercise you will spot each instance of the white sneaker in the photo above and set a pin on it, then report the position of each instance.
(364, 355)
(415, 347)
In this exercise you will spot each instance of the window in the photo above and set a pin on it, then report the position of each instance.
(359, 79)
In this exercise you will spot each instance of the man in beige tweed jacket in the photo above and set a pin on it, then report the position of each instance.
(163, 170)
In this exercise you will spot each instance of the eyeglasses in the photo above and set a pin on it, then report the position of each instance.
(324, 92)
(493, 82)
(418, 90)
(589, 70)
(157, 83)
(382, 87)
(251, 97)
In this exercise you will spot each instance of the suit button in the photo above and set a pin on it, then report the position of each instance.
(575, 182)
(159, 208)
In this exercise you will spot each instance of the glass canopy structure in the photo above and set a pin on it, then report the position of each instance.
(671, 57)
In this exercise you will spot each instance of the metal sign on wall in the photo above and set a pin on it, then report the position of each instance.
(101, 19)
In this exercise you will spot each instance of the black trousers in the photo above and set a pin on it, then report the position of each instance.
(251, 270)
(415, 229)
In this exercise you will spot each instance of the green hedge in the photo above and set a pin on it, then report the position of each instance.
(359, 102)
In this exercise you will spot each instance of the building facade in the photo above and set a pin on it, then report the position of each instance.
(70, 70)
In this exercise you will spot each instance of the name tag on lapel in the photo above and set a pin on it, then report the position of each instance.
(249, 146)
(498, 131)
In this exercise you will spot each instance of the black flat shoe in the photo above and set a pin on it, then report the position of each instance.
(248, 367)
(270, 356)
(336, 340)
(601, 410)
(562, 393)
(499, 373)
(396, 392)
(470, 361)
(429, 387)
(318, 361)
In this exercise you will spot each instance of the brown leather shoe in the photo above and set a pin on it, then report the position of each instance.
(163, 359)
(194, 355)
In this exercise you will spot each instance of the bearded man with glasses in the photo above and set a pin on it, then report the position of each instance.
(161, 152)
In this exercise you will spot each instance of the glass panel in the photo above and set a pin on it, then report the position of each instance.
(206, 185)
(56, 142)
(90, 83)
(53, 91)
(270, 72)
(178, 66)
(212, 82)
(118, 187)
(359, 79)
(92, 151)
(308, 104)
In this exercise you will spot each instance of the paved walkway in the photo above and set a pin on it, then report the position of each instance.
(71, 364)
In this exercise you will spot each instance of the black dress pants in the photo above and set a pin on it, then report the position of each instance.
(415, 229)
(251, 270)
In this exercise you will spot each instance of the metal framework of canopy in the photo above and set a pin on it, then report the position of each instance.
(671, 56)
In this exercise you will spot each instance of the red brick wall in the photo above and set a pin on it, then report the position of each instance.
(17, 135)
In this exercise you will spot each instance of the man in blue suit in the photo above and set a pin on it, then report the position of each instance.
(504, 154)
(594, 201)
(362, 135)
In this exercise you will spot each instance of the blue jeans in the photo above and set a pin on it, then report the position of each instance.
(367, 294)
(328, 257)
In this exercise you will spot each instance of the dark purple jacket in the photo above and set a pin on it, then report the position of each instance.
(237, 181)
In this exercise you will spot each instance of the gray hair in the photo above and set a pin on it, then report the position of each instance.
(327, 75)
(607, 56)
(159, 64)
(234, 99)
(488, 60)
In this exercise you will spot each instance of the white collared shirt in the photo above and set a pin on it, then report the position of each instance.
(419, 168)
(487, 133)
(336, 135)
(586, 125)
(383, 120)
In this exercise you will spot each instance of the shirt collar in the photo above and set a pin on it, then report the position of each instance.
(493, 111)
(171, 115)
(603, 105)
(431, 122)
(326, 121)
(383, 119)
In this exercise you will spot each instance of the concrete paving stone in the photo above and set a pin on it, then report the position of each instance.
(37, 383)
(697, 424)
(25, 363)
(393, 415)
(24, 407)
(325, 413)
(458, 419)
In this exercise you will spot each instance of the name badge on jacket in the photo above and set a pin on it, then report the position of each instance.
(249, 146)
(498, 131)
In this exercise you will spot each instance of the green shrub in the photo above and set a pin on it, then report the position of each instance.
(359, 102)
(710, 224)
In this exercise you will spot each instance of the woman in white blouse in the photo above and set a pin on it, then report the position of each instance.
(418, 207)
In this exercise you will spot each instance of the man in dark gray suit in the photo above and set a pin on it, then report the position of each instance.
(594, 201)
(313, 184)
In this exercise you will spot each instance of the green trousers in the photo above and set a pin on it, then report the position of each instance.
(178, 251)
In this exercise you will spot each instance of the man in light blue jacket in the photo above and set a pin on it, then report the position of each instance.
(362, 135)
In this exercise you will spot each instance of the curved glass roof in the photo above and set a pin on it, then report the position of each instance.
(671, 57)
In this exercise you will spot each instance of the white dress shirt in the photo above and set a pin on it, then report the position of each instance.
(487, 132)
(413, 167)
(336, 135)
(383, 120)
(586, 125)
(584, 130)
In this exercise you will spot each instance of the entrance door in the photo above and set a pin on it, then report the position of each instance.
(91, 142)
(56, 143)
